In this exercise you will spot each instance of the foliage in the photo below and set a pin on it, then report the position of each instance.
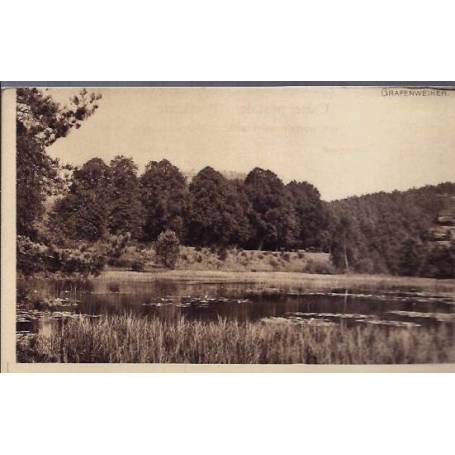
(164, 195)
(167, 248)
(311, 215)
(83, 214)
(35, 257)
(411, 257)
(101, 208)
(137, 266)
(40, 121)
(389, 232)
(440, 261)
(113, 286)
(117, 245)
(31, 257)
(126, 212)
(219, 210)
(273, 216)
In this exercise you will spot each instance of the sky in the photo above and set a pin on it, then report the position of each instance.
(344, 140)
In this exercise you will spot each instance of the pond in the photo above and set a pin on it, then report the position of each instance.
(171, 299)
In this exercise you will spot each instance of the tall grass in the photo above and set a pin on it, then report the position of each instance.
(130, 339)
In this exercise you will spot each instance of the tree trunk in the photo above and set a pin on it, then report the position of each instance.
(346, 261)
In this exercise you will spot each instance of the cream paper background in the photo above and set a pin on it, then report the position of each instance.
(8, 287)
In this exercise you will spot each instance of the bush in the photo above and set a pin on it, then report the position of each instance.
(273, 262)
(22, 291)
(117, 244)
(286, 256)
(118, 262)
(113, 286)
(167, 248)
(222, 254)
(137, 266)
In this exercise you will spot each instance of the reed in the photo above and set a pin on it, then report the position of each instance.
(130, 339)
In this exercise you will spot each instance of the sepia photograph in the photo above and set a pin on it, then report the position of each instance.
(240, 225)
(227, 228)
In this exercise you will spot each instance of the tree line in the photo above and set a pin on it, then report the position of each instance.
(260, 212)
(392, 233)
(377, 233)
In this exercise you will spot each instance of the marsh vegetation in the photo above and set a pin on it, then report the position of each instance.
(132, 339)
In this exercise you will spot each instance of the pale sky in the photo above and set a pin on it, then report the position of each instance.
(344, 140)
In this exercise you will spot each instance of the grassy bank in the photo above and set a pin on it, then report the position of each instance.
(127, 339)
(289, 281)
(231, 260)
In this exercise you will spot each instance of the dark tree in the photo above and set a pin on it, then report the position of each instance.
(219, 210)
(311, 215)
(164, 198)
(83, 214)
(342, 250)
(383, 229)
(440, 261)
(273, 216)
(411, 258)
(40, 121)
(126, 210)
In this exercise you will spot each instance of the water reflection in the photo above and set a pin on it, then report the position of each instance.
(245, 302)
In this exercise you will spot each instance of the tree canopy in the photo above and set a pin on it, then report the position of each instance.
(219, 210)
(164, 195)
(40, 121)
(274, 218)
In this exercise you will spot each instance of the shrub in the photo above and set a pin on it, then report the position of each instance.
(223, 254)
(167, 248)
(137, 266)
(117, 244)
(286, 256)
(273, 262)
(22, 291)
(119, 262)
(113, 286)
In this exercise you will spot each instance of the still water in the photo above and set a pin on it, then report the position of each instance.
(248, 302)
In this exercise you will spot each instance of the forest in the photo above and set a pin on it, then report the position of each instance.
(75, 219)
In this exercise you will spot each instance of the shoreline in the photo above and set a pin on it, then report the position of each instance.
(295, 280)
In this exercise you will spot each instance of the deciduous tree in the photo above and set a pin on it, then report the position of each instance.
(165, 199)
